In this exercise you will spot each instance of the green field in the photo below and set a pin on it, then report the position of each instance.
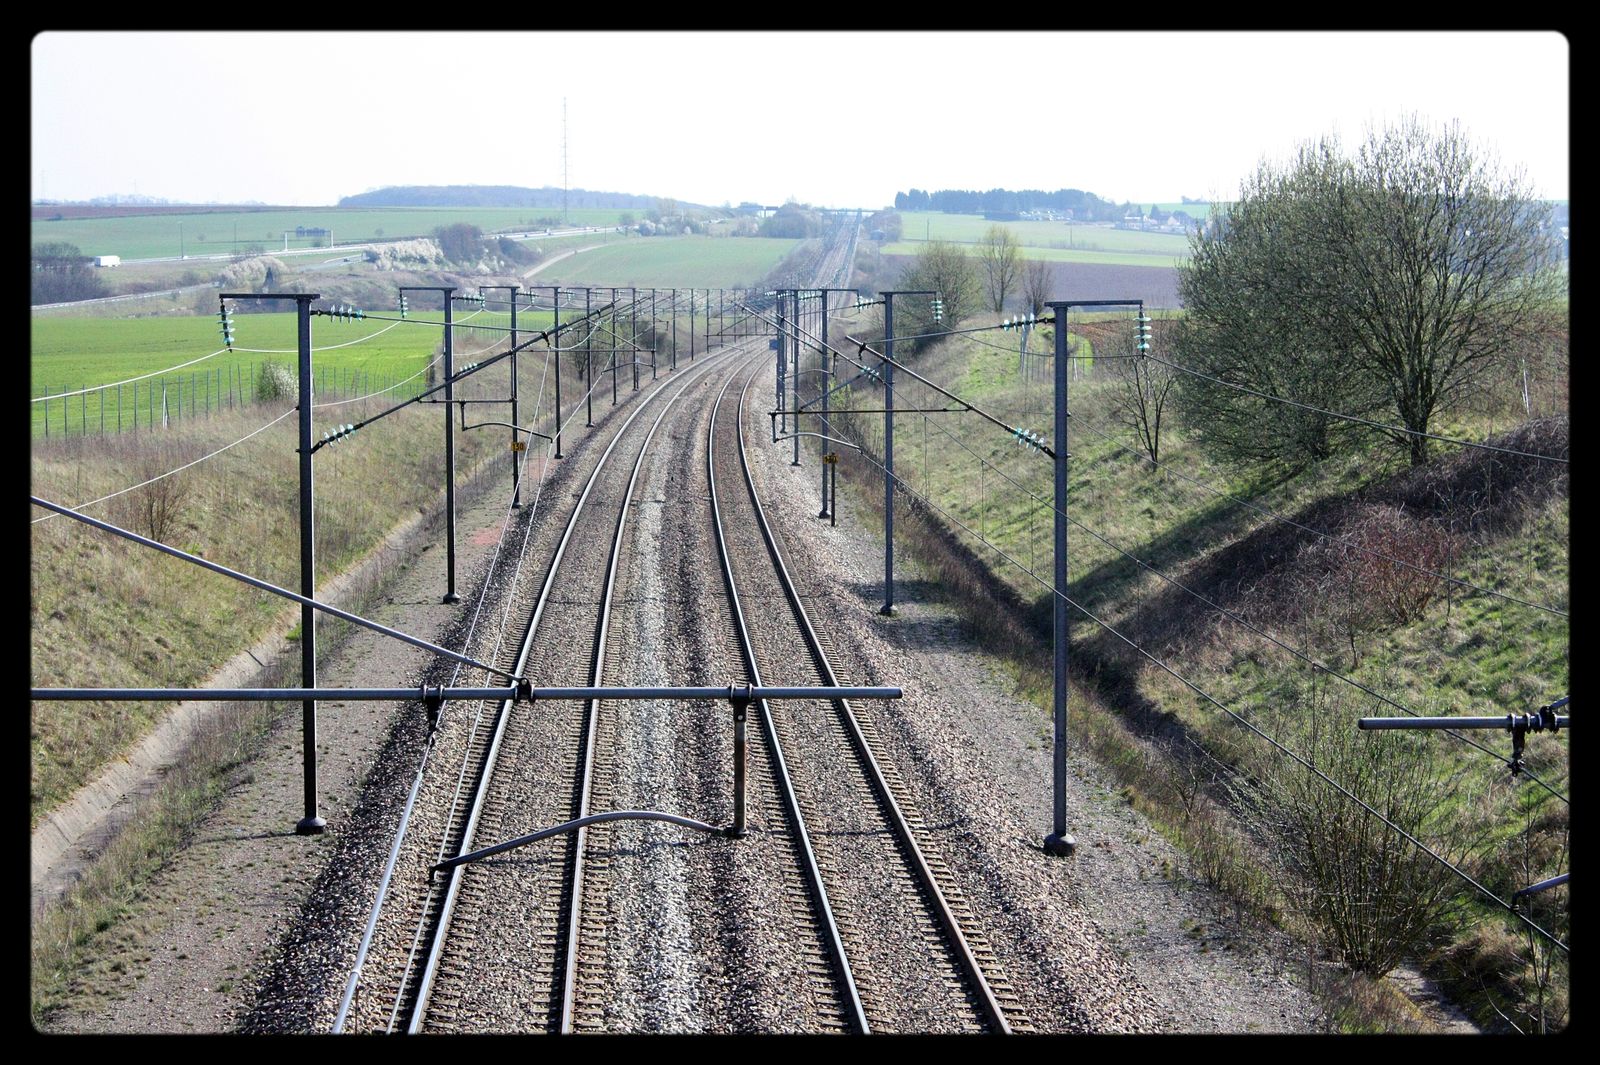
(682, 262)
(75, 353)
(1045, 240)
(224, 232)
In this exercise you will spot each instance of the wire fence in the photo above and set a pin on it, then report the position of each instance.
(180, 398)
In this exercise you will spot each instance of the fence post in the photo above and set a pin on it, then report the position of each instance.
(47, 412)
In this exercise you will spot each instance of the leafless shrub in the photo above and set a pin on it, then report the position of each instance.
(1381, 567)
(1376, 897)
(156, 509)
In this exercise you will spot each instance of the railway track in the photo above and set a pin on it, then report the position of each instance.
(868, 873)
(875, 935)
(438, 991)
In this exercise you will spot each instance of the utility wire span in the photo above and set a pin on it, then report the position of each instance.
(1299, 654)
(180, 469)
(127, 381)
(381, 391)
(1296, 756)
(862, 346)
(256, 582)
(330, 347)
(1315, 664)
(1395, 429)
(1167, 468)
(430, 742)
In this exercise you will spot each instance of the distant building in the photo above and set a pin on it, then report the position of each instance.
(108, 260)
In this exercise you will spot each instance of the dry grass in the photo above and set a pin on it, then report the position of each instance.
(1493, 520)
(110, 613)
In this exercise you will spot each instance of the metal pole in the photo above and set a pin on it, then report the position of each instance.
(888, 454)
(555, 325)
(1058, 841)
(691, 326)
(654, 343)
(613, 332)
(633, 334)
(827, 380)
(310, 824)
(672, 330)
(516, 456)
(450, 595)
(588, 360)
(740, 750)
(794, 378)
(782, 354)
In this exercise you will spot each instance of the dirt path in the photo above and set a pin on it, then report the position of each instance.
(557, 258)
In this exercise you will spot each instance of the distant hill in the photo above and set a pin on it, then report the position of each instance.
(494, 196)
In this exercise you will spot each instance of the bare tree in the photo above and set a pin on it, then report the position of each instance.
(946, 269)
(1141, 398)
(1036, 284)
(997, 252)
(1383, 283)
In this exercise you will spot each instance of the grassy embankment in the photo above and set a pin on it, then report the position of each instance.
(172, 623)
(1465, 653)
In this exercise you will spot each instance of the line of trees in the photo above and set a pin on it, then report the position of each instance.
(1085, 206)
(61, 273)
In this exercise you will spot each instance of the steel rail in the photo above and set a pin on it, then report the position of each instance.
(812, 871)
(480, 786)
(980, 985)
(569, 980)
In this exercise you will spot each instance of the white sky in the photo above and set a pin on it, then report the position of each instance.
(835, 119)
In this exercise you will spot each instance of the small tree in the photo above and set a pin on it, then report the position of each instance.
(1379, 284)
(945, 269)
(61, 273)
(1037, 280)
(1377, 898)
(460, 242)
(997, 253)
(1143, 388)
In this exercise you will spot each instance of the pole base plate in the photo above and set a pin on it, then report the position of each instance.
(450, 597)
(310, 826)
(1059, 843)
